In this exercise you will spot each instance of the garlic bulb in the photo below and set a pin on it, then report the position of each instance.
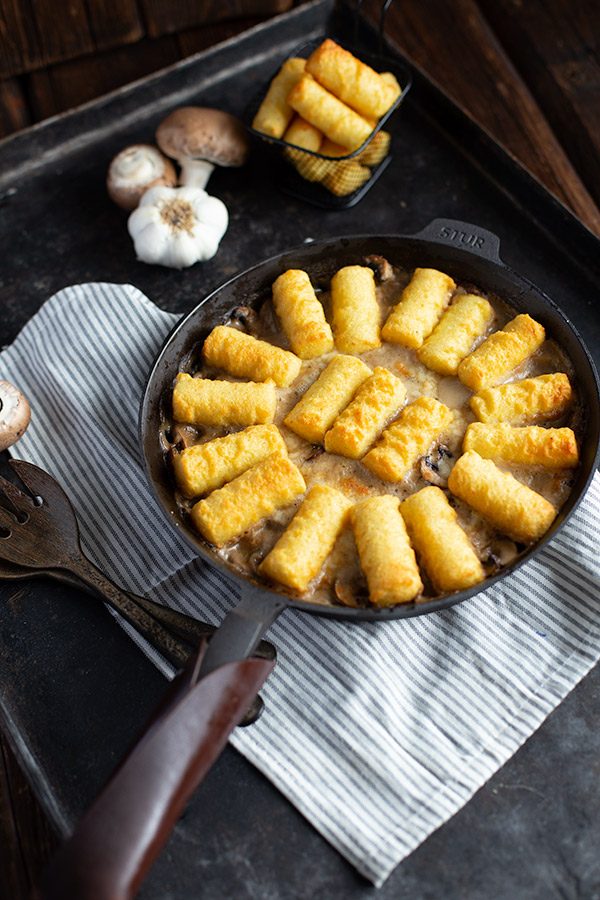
(177, 227)
(136, 169)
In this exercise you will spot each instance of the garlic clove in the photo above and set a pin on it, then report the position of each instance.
(213, 215)
(195, 196)
(182, 251)
(210, 243)
(151, 243)
(158, 195)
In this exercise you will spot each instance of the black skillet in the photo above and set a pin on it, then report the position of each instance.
(469, 254)
(117, 839)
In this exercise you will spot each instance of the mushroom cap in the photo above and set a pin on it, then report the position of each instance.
(134, 170)
(14, 414)
(198, 132)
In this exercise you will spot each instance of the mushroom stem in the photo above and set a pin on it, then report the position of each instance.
(195, 172)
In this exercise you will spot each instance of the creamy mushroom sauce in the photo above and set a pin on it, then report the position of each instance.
(341, 579)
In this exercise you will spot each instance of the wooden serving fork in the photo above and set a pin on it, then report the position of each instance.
(40, 534)
(120, 835)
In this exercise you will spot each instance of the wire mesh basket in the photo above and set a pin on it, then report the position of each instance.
(340, 181)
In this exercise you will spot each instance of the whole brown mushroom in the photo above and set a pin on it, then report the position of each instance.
(200, 138)
(136, 169)
(14, 414)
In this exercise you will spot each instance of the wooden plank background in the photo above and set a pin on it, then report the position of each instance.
(482, 61)
(529, 73)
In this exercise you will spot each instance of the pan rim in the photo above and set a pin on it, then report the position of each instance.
(366, 614)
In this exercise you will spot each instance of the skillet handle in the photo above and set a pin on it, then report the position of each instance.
(121, 834)
(239, 635)
(453, 233)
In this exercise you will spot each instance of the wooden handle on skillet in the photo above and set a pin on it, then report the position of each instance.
(121, 834)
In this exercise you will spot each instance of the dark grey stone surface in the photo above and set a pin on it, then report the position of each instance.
(73, 688)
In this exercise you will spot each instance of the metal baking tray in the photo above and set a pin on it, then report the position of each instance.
(73, 687)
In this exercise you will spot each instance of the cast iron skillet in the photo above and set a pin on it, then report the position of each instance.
(469, 254)
(117, 839)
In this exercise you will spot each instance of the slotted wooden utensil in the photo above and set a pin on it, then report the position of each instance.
(40, 536)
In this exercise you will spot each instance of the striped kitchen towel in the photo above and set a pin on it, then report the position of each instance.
(378, 733)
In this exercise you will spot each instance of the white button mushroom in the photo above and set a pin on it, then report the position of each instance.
(176, 227)
(134, 170)
(199, 139)
(14, 414)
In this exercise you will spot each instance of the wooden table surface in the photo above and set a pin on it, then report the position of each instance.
(528, 72)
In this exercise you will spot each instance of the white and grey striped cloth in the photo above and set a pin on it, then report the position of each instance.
(378, 733)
